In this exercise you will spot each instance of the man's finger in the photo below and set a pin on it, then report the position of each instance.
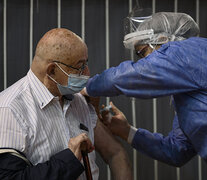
(86, 144)
(81, 138)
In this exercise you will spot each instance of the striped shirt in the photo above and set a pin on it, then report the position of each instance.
(33, 121)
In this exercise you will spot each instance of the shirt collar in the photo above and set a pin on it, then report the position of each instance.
(42, 94)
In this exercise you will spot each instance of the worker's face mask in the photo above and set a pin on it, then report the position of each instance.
(75, 83)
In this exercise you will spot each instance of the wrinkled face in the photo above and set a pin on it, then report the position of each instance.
(62, 53)
(76, 64)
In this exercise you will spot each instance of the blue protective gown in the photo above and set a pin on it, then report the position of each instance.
(180, 69)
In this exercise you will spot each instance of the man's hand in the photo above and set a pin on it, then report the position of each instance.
(80, 143)
(118, 123)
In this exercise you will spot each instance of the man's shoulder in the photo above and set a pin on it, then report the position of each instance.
(13, 92)
(78, 97)
(84, 102)
(86, 107)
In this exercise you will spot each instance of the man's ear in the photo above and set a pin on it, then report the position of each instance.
(51, 69)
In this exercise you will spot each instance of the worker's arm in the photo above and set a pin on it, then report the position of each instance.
(174, 149)
(112, 152)
(169, 70)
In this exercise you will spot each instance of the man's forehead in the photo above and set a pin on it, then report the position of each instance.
(73, 52)
(78, 57)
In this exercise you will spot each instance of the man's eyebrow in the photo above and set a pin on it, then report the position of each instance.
(82, 61)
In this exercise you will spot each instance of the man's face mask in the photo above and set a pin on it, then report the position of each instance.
(76, 83)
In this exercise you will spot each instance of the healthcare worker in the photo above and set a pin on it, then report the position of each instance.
(174, 63)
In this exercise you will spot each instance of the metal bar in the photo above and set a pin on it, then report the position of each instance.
(133, 112)
(178, 173)
(5, 44)
(175, 5)
(154, 115)
(155, 110)
(130, 5)
(134, 151)
(31, 33)
(107, 59)
(155, 130)
(199, 158)
(153, 6)
(107, 33)
(197, 11)
(107, 39)
(177, 169)
(59, 14)
(199, 168)
(83, 20)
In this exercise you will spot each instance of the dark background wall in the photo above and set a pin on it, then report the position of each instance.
(100, 24)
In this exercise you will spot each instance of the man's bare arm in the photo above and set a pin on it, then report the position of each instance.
(112, 152)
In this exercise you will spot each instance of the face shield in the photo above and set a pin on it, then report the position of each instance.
(131, 23)
(156, 29)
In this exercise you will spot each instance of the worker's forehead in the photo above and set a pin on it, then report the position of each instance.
(139, 46)
(141, 42)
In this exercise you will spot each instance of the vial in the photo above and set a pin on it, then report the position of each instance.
(109, 116)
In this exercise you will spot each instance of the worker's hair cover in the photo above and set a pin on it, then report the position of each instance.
(160, 28)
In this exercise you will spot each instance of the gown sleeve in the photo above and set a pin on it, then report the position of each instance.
(174, 149)
(172, 69)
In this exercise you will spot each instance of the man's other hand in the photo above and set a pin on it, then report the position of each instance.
(80, 143)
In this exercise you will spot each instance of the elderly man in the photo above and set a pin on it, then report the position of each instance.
(44, 120)
(174, 62)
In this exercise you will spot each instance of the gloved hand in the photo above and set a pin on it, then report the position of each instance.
(117, 123)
